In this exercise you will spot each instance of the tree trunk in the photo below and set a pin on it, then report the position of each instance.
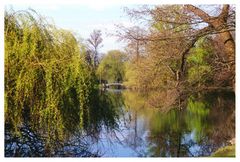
(219, 24)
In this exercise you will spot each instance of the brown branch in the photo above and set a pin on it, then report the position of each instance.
(184, 53)
(225, 12)
(200, 13)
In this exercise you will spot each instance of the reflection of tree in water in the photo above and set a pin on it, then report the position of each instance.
(32, 139)
(26, 144)
(223, 116)
(135, 122)
(30, 144)
(197, 130)
(166, 134)
(222, 120)
(206, 124)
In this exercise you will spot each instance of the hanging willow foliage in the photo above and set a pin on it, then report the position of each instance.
(44, 73)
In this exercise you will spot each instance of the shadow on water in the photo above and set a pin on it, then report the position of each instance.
(120, 123)
(207, 123)
(31, 140)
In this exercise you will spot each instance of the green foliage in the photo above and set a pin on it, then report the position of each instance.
(44, 73)
(199, 68)
(131, 75)
(111, 67)
(199, 73)
(167, 57)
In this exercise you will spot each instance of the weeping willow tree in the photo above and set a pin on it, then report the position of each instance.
(44, 73)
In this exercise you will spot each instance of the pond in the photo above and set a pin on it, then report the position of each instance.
(123, 125)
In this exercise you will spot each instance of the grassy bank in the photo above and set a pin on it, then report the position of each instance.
(227, 151)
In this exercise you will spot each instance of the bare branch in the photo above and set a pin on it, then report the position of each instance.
(203, 15)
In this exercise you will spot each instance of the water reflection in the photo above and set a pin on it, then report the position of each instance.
(191, 131)
(75, 138)
(121, 123)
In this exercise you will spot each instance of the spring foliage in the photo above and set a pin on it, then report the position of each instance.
(44, 73)
(112, 67)
(199, 60)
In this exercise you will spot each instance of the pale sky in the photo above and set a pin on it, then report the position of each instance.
(83, 19)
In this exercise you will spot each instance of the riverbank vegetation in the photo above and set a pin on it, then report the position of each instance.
(111, 68)
(180, 45)
(227, 151)
(179, 50)
(52, 77)
(48, 82)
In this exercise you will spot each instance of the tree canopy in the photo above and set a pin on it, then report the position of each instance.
(111, 67)
(172, 33)
(45, 72)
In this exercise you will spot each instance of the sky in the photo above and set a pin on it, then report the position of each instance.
(82, 19)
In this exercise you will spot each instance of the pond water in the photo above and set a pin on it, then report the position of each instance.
(125, 126)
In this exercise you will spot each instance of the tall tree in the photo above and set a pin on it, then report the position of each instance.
(180, 27)
(44, 74)
(94, 43)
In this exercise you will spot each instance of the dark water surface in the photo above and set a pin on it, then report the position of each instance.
(123, 125)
